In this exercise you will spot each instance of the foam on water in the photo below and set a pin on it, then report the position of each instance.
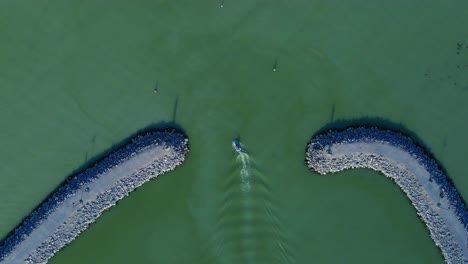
(243, 158)
(248, 228)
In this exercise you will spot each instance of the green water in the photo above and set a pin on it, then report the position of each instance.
(77, 77)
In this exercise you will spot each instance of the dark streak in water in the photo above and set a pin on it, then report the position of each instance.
(174, 111)
(87, 114)
(156, 86)
(332, 115)
(444, 146)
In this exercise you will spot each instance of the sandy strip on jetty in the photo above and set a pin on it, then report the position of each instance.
(436, 200)
(83, 198)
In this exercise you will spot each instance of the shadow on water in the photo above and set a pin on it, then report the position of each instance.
(444, 146)
(93, 142)
(332, 114)
(248, 228)
(155, 127)
(156, 86)
(174, 111)
(275, 65)
(382, 123)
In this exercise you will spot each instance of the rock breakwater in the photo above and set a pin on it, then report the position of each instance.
(436, 200)
(84, 197)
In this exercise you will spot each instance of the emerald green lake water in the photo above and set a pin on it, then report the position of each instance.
(77, 77)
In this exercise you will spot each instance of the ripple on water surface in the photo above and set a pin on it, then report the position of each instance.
(248, 229)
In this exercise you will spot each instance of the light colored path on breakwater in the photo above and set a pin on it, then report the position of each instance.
(82, 206)
(435, 199)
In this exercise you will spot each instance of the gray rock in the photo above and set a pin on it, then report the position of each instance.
(83, 198)
(436, 200)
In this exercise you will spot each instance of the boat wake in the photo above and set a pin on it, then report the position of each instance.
(248, 229)
(243, 158)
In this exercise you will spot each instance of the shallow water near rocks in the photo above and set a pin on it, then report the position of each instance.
(76, 78)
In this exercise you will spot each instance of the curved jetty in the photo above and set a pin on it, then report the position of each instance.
(82, 199)
(397, 157)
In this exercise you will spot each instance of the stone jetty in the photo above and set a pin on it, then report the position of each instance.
(435, 198)
(78, 202)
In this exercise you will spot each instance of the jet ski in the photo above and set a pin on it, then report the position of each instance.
(236, 145)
